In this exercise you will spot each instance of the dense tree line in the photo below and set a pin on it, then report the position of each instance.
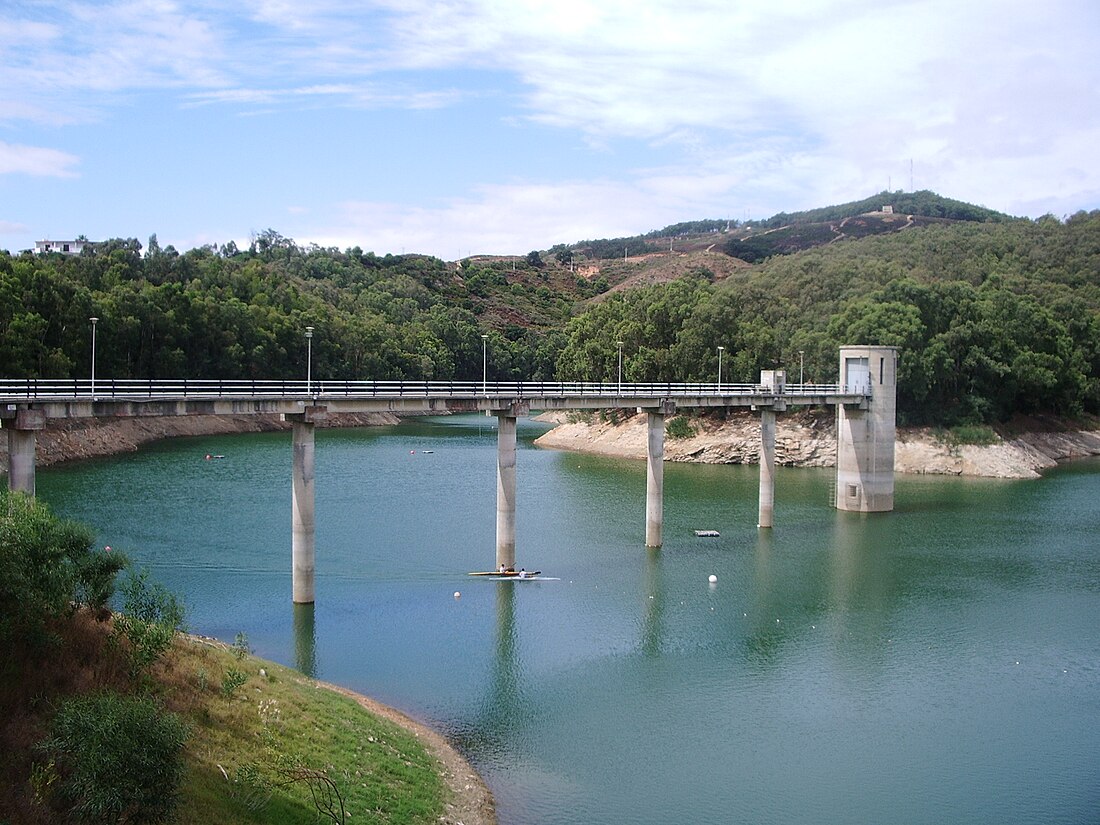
(219, 312)
(924, 203)
(992, 317)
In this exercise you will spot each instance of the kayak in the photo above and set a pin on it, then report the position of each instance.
(509, 574)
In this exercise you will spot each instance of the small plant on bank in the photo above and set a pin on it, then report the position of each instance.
(232, 682)
(977, 435)
(240, 646)
(679, 427)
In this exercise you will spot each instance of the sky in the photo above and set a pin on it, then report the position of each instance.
(459, 127)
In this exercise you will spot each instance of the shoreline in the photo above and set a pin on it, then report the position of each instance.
(472, 801)
(804, 438)
(807, 439)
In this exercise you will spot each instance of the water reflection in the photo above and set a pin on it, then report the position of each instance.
(654, 604)
(500, 710)
(305, 639)
(504, 685)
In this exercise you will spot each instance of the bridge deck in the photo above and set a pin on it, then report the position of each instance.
(81, 399)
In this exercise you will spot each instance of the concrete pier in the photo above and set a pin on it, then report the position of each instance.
(303, 547)
(655, 480)
(767, 468)
(865, 435)
(506, 490)
(21, 445)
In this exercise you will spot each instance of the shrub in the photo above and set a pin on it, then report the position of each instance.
(232, 682)
(679, 427)
(46, 565)
(149, 619)
(119, 759)
(974, 434)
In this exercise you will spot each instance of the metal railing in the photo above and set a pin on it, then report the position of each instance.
(14, 390)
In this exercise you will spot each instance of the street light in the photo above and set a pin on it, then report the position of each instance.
(93, 319)
(720, 369)
(620, 343)
(484, 365)
(309, 360)
(800, 366)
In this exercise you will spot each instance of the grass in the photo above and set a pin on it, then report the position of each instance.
(251, 752)
(262, 737)
(963, 434)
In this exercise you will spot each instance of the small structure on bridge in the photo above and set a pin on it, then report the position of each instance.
(865, 437)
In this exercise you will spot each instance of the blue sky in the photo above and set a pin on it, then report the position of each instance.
(461, 127)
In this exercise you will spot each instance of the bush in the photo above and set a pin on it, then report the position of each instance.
(974, 434)
(149, 618)
(46, 566)
(119, 759)
(679, 427)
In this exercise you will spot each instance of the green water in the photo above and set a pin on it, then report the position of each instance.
(937, 664)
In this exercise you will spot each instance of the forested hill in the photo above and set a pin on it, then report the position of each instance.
(922, 204)
(786, 233)
(994, 317)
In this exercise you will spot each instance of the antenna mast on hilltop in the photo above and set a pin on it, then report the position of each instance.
(911, 189)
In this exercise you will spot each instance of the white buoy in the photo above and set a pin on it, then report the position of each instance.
(713, 579)
(458, 595)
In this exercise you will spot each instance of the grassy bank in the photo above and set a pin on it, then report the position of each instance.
(264, 743)
(268, 745)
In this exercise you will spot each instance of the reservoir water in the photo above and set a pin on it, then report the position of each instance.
(937, 664)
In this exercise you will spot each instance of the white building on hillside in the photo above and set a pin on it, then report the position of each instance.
(64, 247)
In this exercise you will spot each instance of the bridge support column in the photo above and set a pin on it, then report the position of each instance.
(303, 547)
(506, 491)
(865, 434)
(21, 445)
(655, 474)
(767, 468)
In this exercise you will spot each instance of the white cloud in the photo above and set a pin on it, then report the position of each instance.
(36, 160)
(497, 219)
(11, 228)
(740, 108)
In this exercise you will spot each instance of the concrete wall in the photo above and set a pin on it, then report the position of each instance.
(865, 437)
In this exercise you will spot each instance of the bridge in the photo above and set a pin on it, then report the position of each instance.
(864, 399)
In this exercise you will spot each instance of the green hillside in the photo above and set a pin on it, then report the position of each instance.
(995, 316)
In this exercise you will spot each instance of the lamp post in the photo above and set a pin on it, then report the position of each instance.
(309, 360)
(94, 320)
(800, 352)
(484, 364)
(720, 369)
(620, 344)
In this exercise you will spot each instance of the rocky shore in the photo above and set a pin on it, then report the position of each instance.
(73, 439)
(803, 439)
(808, 439)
